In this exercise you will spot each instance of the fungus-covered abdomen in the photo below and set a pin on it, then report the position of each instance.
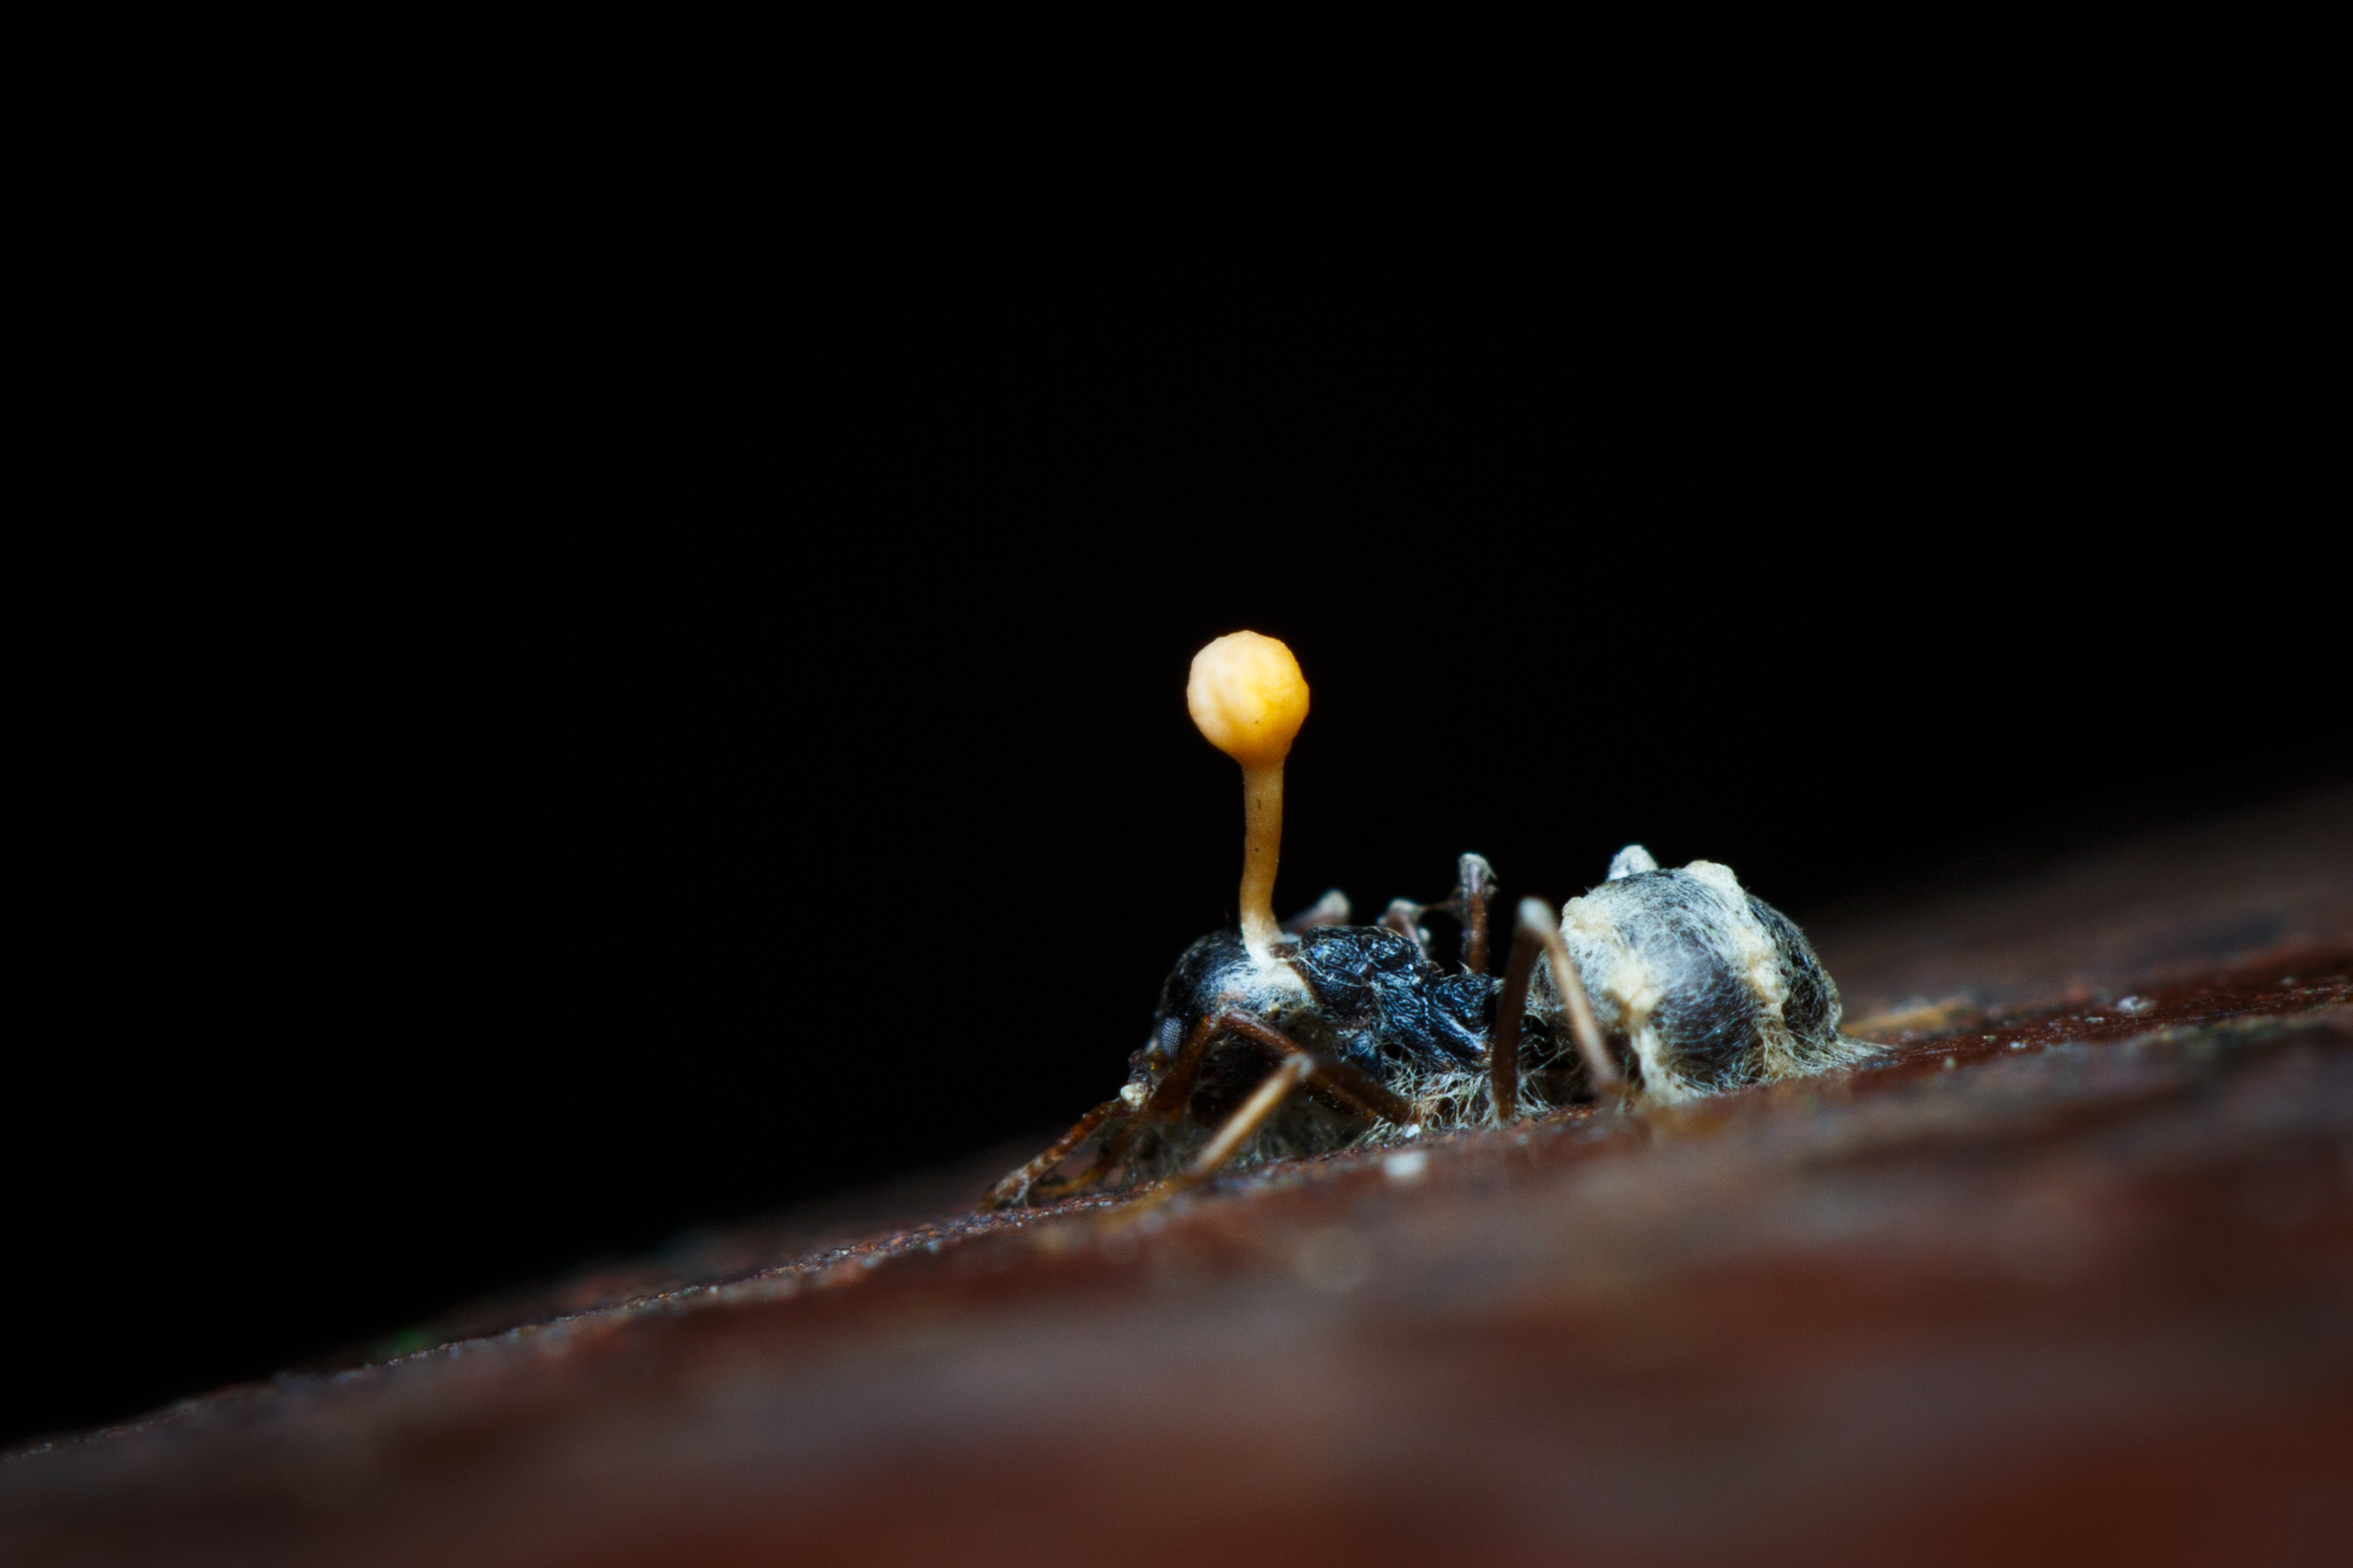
(1711, 987)
(1651, 953)
(1708, 1018)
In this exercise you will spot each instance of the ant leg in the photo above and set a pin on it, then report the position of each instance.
(1403, 916)
(1242, 1124)
(1537, 928)
(1166, 1103)
(1345, 1082)
(1511, 1006)
(1299, 1067)
(1475, 884)
(1355, 1090)
(1114, 1149)
(1474, 887)
(1331, 909)
(1016, 1186)
(1569, 986)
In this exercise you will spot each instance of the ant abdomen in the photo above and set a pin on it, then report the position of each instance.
(1699, 984)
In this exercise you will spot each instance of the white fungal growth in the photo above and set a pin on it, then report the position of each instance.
(1708, 986)
(1631, 861)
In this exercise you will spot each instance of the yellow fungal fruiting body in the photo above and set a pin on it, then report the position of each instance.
(1249, 698)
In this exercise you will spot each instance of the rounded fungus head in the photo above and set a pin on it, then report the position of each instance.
(1248, 697)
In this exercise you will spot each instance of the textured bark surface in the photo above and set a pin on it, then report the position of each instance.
(2068, 1270)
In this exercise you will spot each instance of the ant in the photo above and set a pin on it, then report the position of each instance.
(1313, 1034)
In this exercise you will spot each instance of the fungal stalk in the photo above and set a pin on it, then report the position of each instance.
(1249, 698)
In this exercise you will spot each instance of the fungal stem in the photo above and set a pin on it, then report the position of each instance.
(1261, 849)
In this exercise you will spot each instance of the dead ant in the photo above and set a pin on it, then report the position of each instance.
(1314, 1035)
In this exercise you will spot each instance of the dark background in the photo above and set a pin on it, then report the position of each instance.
(672, 704)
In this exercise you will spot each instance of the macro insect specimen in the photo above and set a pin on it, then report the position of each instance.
(1315, 1035)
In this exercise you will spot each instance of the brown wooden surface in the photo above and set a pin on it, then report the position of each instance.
(2055, 1278)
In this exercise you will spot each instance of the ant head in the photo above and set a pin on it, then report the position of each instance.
(1249, 698)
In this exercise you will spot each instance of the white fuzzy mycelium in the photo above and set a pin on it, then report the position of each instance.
(1705, 985)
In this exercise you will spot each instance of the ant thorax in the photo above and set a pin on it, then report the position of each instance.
(1365, 996)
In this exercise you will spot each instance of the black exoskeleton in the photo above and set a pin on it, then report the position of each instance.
(1372, 1001)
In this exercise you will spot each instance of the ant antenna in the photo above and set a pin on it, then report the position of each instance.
(1248, 697)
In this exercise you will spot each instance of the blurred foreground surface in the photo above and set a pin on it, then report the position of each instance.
(2067, 1272)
